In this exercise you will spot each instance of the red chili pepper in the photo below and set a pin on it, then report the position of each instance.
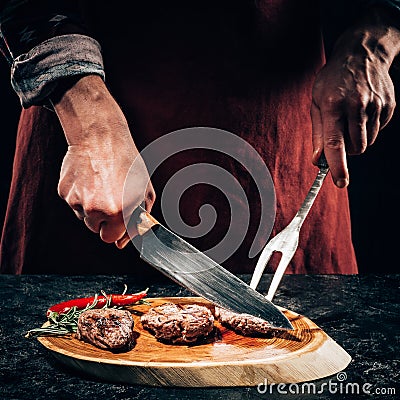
(81, 303)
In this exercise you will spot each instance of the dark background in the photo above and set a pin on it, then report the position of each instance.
(373, 191)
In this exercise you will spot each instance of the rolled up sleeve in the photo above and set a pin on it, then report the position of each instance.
(43, 43)
(35, 74)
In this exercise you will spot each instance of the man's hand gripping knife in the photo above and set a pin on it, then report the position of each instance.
(100, 154)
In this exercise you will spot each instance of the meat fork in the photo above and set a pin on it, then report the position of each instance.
(287, 240)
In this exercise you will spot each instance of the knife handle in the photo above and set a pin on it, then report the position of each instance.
(146, 222)
(143, 222)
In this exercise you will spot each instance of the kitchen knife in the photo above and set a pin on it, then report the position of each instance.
(192, 269)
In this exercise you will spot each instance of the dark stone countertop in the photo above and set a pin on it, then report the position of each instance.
(358, 312)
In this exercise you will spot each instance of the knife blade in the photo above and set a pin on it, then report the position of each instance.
(192, 269)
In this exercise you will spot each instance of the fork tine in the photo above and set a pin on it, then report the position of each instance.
(284, 242)
(283, 263)
(261, 265)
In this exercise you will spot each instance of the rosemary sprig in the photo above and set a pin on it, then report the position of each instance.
(63, 324)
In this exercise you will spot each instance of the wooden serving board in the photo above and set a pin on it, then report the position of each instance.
(304, 354)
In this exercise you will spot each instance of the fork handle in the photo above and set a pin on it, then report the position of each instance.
(312, 193)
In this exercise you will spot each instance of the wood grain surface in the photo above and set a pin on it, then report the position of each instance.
(228, 359)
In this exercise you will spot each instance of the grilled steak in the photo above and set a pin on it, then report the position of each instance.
(244, 324)
(179, 324)
(107, 328)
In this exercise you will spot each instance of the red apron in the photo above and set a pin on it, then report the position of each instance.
(244, 67)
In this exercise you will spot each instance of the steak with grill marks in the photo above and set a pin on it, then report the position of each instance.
(179, 324)
(107, 328)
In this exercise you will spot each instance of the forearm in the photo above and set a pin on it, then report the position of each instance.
(81, 105)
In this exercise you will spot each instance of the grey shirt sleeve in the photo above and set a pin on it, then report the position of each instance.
(35, 74)
(44, 42)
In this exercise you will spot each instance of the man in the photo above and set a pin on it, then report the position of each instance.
(254, 69)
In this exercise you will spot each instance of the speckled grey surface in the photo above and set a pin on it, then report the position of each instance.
(361, 313)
